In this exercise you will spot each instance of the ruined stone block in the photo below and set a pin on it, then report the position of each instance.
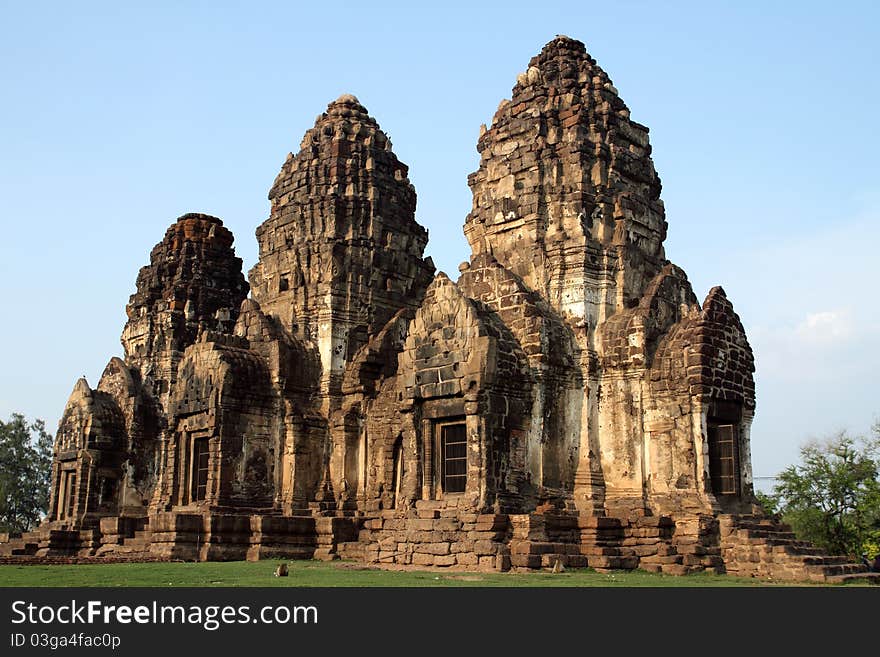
(358, 404)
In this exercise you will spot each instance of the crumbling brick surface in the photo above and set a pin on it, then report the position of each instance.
(565, 402)
(193, 281)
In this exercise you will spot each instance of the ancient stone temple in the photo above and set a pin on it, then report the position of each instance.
(568, 399)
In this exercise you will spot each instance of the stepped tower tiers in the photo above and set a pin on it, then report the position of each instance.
(341, 251)
(566, 400)
(566, 195)
(193, 282)
(566, 199)
(109, 450)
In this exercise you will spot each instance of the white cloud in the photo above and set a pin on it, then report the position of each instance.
(806, 306)
(824, 346)
(826, 327)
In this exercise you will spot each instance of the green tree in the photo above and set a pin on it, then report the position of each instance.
(25, 466)
(768, 501)
(832, 497)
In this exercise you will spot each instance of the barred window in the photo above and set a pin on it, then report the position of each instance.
(70, 502)
(723, 458)
(453, 450)
(199, 485)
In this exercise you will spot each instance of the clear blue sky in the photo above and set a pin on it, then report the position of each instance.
(764, 122)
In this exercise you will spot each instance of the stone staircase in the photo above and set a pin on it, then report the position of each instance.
(540, 540)
(695, 539)
(743, 545)
(603, 543)
(138, 543)
(754, 546)
(49, 541)
(433, 535)
(657, 544)
(19, 544)
(129, 536)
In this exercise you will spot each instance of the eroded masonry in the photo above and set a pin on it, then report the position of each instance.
(568, 399)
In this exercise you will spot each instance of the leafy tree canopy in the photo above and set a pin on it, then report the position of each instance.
(25, 466)
(832, 497)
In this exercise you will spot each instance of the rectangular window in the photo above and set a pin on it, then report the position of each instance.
(723, 464)
(71, 495)
(453, 450)
(199, 485)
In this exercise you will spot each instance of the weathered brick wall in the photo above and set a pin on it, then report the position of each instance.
(299, 433)
(193, 281)
(629, 338)
(90, 447)
(223, 395)
(566, 195)
(461, 361)
(143, 424)
(546, 465)
(434, 534)
(646, 438)
(720, 363)
(370, 420)
(571, 355)
(665, 363)
(341, 252)
(703, 361)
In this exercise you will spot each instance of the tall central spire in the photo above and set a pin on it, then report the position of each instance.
(566, 195)
(341, 251)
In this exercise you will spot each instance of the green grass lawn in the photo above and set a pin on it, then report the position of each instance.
(315, 573)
